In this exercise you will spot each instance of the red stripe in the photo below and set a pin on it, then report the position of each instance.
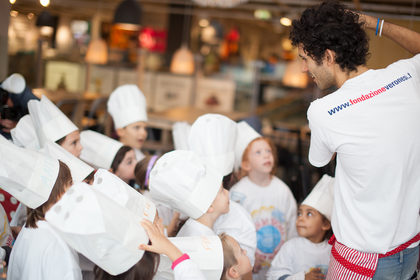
(401, 247)
(351, 266)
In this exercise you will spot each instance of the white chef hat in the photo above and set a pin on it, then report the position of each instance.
(98, 228)
(180, 133)
(50, 123)
(15, 83)
(118, 191)
(127, 105)
(322, 196)
(78, 169)
(205, 251)
(27, 175)
(98, 150)
(245, 136)
(182, 181)
(213, 138)
(24, 134)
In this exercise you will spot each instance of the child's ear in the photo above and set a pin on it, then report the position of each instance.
(245, 166)
(120, 132)
(211, 209)
(233, 273)
(326, 225)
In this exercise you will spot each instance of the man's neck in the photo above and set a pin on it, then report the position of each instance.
(342, 76)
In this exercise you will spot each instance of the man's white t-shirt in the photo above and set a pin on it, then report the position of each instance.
(40, 254)
(373, 124)
(297, 257)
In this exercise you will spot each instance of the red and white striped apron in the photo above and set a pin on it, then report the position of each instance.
(347, 263)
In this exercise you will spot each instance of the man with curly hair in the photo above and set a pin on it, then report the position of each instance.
(372, 124)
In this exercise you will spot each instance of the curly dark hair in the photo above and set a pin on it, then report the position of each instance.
(331, 25)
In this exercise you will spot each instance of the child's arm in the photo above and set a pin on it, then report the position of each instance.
(183, 267)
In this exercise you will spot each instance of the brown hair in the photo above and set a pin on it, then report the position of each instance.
(329, 232)
(229, 258)
(62, 183)
(144, 269)
(273, 150)
(140, 172)
(119, 157)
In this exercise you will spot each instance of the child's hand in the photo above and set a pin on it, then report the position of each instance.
(160, 243)
(314, 274)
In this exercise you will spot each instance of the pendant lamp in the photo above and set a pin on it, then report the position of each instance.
(97, 52)
(293, 76)
(128, 15)
(183, 61)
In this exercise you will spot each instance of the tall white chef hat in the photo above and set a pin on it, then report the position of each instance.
(322, 196)
(78, 169)
(245, 136)
(50, 123)
(15, 83)
(24, 134)
(127, 105)
(182, 181)
(118, 191)
(27, 175)
(98, 150)
(180, 133)
(205, 251)
(98, 228)
(213, 138)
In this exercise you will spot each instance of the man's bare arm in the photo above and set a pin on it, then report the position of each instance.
(406, 38)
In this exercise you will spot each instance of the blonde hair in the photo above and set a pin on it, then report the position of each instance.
(246, 152)
(229, 258)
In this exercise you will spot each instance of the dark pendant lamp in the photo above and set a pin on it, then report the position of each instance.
(128, 15)
(45, 19)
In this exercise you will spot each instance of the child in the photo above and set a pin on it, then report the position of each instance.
(104, 152)
(236, 262)
(53, 125)
(127, 106)
(269, 201)
(38, 182)
(307, 256)
(213, 138)
(183, 182)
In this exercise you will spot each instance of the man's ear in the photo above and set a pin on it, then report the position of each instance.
(329, 56)
(233, 273)
(120, 132)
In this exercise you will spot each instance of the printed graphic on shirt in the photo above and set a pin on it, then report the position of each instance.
(368, 95)
(270, 224)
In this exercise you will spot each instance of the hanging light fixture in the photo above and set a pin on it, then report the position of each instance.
(183, 59)
(219, 3)
(97, 52)
(293, 76)
(128, 15)
(46, 22)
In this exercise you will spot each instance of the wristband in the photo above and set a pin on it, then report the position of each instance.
(180, 260)
(380, 29)
(377, 27)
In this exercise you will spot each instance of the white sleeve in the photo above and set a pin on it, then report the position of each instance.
(188, 270)
(320, 153)
(282, 265)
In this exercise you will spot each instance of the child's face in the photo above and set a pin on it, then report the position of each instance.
(260, 158)
(244, 265)
(221, 202)
(310, 224)
(133, 135)
(126, 168)
(72, 143)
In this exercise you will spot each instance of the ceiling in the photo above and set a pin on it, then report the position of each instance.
(402, 9)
